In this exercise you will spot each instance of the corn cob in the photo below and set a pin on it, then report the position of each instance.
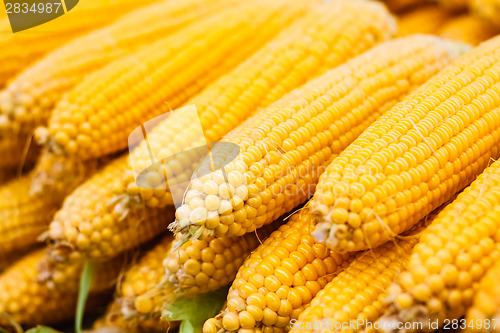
(57, 174)
(415, 157)
(93, 224)
(358, 293)
(311, 125)
(139, 279)
(23, 48)
(23, 217)
(32, 303)
(198, 267)
(486, 303)
(29, 99)
(468, 29)
(278, 280)
(327, 36)
(424, 19)
(487, 9)
(452, 256)
(64, 276)
(27, 301)
(202, 50)
(397, 6)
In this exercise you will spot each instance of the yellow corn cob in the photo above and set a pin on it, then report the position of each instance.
(468, 29)
(32, 303)
(357, 294)
(401, 5)
(424, 19)
(285, 147)
(487, 9)
(64, 276)
(278, 280)
(198, 267)
(29, 302)
(113, 321)
(415, 157)
(203, 51)
(93, 224)
(56, 174)
(139, 279)
(29, 99)
(21, 49)
(326, 37)
(23, 217)
(486, 304)
(452, 256)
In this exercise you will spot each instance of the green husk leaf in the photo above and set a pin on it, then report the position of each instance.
(83, 293)
(42, 329)
(194, 311)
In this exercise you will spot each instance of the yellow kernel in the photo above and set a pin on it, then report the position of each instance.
(246, 319)
(212, 202)
(230, 321)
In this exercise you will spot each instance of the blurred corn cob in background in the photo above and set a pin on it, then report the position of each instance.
(225, 98)
(415, 157)
(468, 29)
(486, 302)
(29, 99)
(426, 19)
(453, 254)
(278, 280)
(286, 146)
(30, 302)
(487, 9)
(24, 48)
(23, 217)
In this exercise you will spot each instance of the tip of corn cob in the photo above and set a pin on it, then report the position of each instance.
(457, 48)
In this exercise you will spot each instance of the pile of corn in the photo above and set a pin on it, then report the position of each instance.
(253, 166)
